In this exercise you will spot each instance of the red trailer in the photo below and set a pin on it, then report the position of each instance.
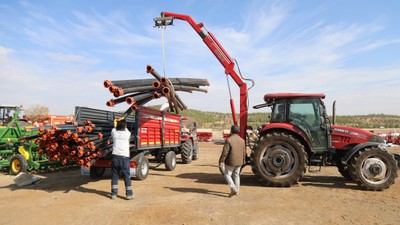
(154, 133)
(226, 134)
(394, 138)
(204, 135)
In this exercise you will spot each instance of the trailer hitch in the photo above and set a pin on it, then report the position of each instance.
(163, 21)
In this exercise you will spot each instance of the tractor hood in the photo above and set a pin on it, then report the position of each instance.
(343, 136)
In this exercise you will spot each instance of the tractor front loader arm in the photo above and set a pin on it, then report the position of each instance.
(223, 57)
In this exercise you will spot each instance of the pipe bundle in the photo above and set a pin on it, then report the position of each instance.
(79, 143)
(138, 92)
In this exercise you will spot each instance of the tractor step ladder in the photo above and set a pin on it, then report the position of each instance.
(313, 162)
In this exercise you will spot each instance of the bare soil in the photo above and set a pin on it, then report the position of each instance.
(196, 194)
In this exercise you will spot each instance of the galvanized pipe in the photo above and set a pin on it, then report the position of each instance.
(126, 83)
(153, 72)
(122, 91)
(139, 97)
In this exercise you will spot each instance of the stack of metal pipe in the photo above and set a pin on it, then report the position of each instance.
(138, 92)
(79, 143)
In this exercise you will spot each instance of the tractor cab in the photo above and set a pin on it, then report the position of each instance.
(304, 114)
(7, 113)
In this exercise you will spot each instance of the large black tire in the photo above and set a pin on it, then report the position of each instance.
(344, 170)
(97, 172)
(18, 164)
(279, 160)
(142, 169)
(187, 151)
(170, 160)
(373, 169)
(195, 150)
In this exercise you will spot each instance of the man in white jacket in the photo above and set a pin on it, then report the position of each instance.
(120, 159)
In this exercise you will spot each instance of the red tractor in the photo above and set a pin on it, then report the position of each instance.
(299, 132)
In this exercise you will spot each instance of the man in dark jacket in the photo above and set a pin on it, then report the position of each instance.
(232, 158)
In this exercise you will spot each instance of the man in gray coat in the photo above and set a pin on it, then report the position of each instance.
(232, 158)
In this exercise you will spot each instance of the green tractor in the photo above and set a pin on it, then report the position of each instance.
(17, 152)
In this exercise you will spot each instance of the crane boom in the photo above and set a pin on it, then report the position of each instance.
(222, 56)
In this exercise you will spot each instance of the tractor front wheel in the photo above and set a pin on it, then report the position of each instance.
(187, 152)
(195, 150)
(373, 169)
(279, 160)
(18, 164)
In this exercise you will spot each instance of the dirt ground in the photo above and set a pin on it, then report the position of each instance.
(196, 194)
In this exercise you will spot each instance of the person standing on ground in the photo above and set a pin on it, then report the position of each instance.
(120, 159)
(232, 158)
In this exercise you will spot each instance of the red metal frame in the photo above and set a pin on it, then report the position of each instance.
(106, 163)
(269, 97)
(226, 61)
(158, 129)
(204, 135)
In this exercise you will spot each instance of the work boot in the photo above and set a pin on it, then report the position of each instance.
(233, 193)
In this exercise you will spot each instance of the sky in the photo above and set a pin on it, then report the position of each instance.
(58, 53)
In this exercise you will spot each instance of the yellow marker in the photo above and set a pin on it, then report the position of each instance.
(23, 152)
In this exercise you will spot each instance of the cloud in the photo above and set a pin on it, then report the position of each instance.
(110, 29)
(378, 44)
(71, 58)
(5, 52)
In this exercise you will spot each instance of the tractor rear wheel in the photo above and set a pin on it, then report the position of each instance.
(187, 151)
(18, 164)
(279, 160)
(170, 160)
(373, 169)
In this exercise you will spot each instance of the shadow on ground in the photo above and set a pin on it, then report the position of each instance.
(72, 180)
(198, 190)
(333, 182)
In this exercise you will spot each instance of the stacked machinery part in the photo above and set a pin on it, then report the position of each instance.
(18, 153)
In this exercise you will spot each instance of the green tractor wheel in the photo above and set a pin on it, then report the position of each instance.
(18, 164)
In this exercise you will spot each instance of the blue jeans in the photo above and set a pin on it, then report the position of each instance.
(232, 177)
(120, 164)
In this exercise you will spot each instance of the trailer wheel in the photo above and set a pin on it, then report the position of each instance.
(142, 169)
(170, 160)
(195, 150)
(18, 164)
(373, 169)
(97, 172)
(279, 160)
(187, 151)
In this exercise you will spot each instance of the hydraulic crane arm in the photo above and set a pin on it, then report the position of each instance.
(223, 57)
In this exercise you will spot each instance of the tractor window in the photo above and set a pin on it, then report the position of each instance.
(5, 116)
(306, 114)
(305, 110)
(278, 114)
